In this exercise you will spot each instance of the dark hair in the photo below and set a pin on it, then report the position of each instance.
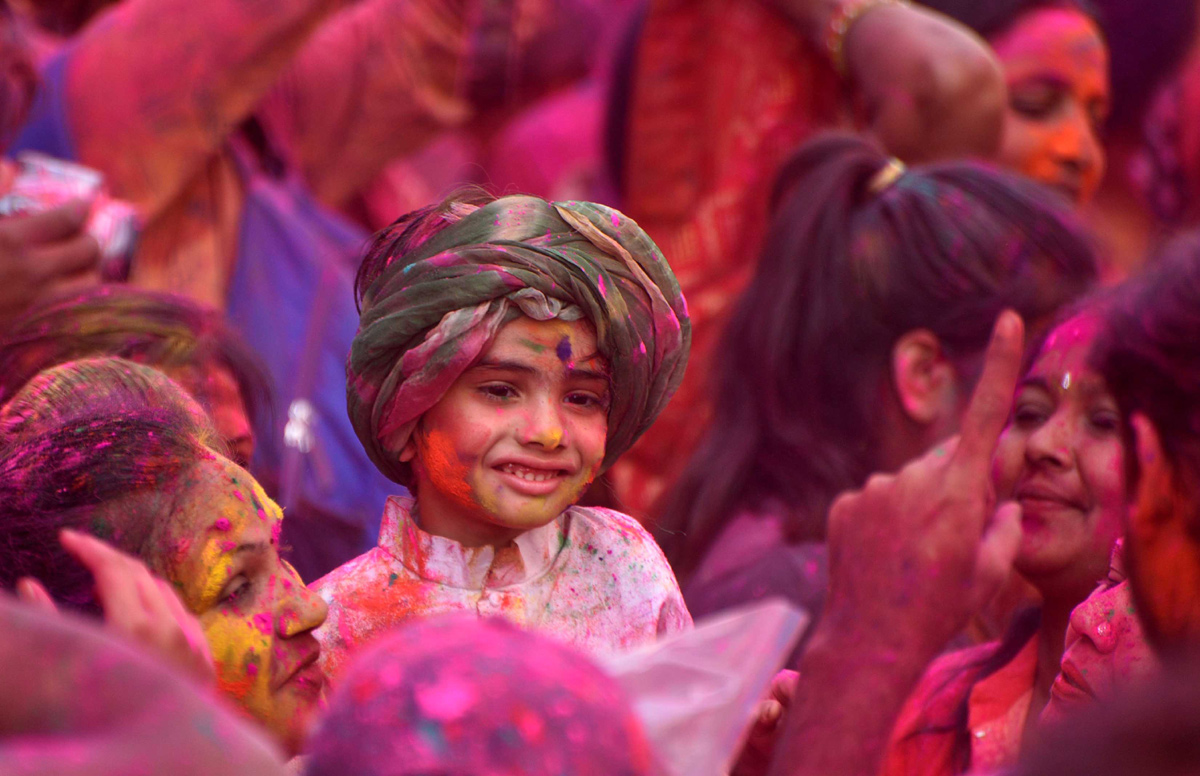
(163, 331)
(1146, 43)
(994, 17)
(845, 271)
(90, 446)
(1149, 354)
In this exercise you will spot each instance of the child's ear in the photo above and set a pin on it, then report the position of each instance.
(409, 451)
(925, 381)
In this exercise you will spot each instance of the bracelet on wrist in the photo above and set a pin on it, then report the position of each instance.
(840, 22)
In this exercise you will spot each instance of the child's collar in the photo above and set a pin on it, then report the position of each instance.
(445, 561)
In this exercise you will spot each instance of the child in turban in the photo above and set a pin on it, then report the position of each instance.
(508, 351)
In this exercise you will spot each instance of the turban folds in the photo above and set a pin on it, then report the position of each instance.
(432, 312)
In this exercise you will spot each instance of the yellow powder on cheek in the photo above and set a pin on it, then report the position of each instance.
(241, 647)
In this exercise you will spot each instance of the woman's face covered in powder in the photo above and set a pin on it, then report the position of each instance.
(1062, 458)
(1106, 649)
(222, 553)
(1056, 66)
(517, 438)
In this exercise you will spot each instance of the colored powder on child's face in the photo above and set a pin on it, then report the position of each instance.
(533, 411)
(444, 467)
(563, 350)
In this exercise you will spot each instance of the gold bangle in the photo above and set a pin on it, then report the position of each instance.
(840, 22)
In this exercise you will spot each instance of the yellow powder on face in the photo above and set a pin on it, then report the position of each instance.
(552, 438)
(219, 542)
(218, 564)
(242, 654)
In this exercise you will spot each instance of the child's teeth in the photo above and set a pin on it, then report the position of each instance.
(527, 474)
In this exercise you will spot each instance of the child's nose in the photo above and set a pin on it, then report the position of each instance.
(543, 426)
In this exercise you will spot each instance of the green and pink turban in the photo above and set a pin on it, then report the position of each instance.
(432, 312)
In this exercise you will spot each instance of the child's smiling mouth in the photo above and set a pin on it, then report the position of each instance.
(531, 480)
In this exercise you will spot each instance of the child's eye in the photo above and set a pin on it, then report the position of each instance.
(498, 391)
(587, 400)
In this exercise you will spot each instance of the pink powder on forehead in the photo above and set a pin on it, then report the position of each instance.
(238, 495)
(221, 524)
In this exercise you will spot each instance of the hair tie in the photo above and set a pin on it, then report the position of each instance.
(887, 175)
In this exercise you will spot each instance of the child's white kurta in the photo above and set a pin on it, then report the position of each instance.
(593, 578)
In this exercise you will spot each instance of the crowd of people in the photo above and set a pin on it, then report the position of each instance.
(468, 345)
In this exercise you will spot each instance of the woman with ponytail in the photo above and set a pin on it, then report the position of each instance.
(853, 350)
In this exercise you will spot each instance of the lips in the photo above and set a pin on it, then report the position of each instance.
(1035, 494)
(532, 478)
(1070, 684)
(306, 674)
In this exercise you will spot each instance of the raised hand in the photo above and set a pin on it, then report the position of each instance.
(136, 604)
(912, 555)
(923, 85)
(47, 253)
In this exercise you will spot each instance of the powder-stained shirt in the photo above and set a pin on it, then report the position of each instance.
(593, 578)
(923, 741)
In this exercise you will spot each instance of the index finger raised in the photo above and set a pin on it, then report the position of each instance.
(992, 401)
